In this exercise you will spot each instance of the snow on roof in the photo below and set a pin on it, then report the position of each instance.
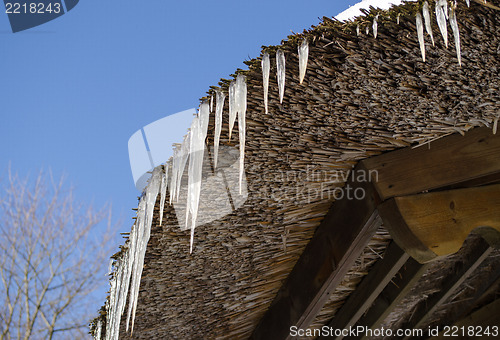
(355, 10)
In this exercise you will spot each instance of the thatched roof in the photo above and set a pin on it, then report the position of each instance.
(361, 97)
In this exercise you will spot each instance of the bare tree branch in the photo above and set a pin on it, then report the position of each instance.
(53, 253)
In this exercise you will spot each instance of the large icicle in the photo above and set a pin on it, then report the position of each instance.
(441, 17)
(150, 199)
(375, 26)
(456, 33)
(197, 150)
(427, 20)
(232, 109)
(218, 123)
(420, 33)
(468, 3)
(266, 67)
(241, 104)
(280, 63)
(303, 56)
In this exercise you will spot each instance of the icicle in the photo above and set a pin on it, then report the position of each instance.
(266, 66)
(163, 191)
(135, 257)
(112, 315)
(420, 33)
(456, 33)
(397, 19)
(280, 64)
(468, 3)
(375, 26)
(367, 30)
(358, 31)
(175, 174)
(197, 149)
(241, 104)
(441, 17)
(143, 237)
(303, 56)
(427, 20)
(183, 157)
(211, 103)
(218, 123)
(204, 114)
(232, 109)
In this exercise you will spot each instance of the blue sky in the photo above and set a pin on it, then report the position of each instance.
(75, 89)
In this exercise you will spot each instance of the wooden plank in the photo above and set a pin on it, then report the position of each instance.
(436, 224)
(392, 294)
(450, 160)
(337, 243)
(426, 308)
(369, 288)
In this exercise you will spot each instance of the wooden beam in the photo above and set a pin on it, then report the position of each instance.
(436, 224)
(426, 308)
(450, 160)
(369, 288)
(337, 243)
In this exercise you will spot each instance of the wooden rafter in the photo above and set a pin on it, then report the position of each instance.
(369, 288)
(393, 294)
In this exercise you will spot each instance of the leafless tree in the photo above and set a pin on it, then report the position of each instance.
(53, 253)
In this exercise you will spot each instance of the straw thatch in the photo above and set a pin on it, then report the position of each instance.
(361, 96)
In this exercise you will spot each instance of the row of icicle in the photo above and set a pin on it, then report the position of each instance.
(443, 15)
(127, 274)
(128, 269)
